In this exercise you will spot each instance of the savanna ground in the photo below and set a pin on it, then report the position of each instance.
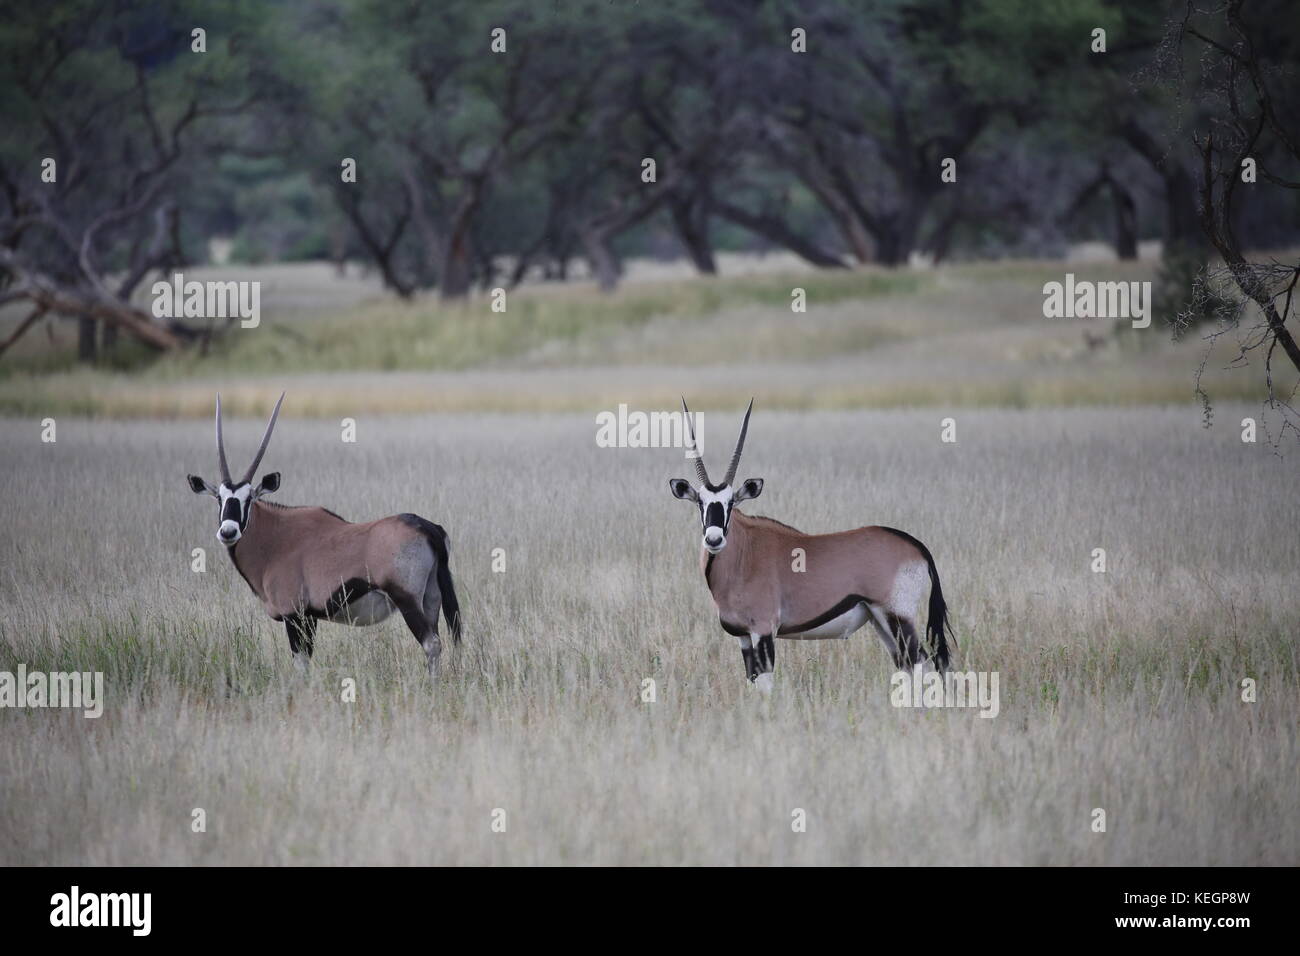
(1119, 691)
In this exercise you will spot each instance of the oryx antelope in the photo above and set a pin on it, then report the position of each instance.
(769, 580)
(307, 564)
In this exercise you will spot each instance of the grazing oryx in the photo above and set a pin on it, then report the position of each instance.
(307, 564)
(769, 580)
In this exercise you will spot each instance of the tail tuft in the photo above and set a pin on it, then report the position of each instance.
(450, 606)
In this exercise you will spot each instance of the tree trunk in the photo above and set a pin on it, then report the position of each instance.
(1126, 238)
(895, 241)
(455, 277)
(456, 271)
(776, 231)
(857, 238)
(86, 328)
(691, 220)
(602, 259)
(939, 244)
(1182, 220)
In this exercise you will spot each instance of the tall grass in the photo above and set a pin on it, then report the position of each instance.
(1119, 691)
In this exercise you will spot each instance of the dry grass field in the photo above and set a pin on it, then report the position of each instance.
(956, 337)
(1119, 690)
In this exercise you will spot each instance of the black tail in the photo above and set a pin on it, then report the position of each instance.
(937, 628)
(438, 540)
(450, 606)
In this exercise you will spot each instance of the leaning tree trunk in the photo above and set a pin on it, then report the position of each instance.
(777, 231)
(691, 220)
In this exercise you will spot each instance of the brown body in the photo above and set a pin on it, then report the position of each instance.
(308, 564)
(758, 590)
(769, 580)
(310, 561)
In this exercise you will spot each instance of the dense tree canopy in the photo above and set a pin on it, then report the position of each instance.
(498, 139)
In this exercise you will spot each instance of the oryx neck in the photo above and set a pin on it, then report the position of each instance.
(253, 549)
(718, 567)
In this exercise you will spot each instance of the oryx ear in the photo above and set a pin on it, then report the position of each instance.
(270, 483)
(199, 486)
(749, 488)
(681, 488)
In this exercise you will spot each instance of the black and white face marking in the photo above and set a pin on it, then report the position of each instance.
(234, 503)
(234, 511)
(715, 515)
(715, 503)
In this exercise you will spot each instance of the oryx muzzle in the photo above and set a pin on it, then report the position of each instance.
(307, 564)
(769, 580)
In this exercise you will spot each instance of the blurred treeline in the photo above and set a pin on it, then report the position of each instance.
(476, 167)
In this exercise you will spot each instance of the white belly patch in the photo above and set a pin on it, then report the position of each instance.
(371, 608)
(836, 628)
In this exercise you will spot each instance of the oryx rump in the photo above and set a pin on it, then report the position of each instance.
(307, 564)
(769, 580)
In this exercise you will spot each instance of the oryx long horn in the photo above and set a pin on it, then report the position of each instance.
(694, 450)
(221, 446)
(740, 445)
(266, 440)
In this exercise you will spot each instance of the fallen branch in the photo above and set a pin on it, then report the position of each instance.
(23, 326)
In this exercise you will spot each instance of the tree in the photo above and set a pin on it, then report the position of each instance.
(104, 107)
(1248, 142)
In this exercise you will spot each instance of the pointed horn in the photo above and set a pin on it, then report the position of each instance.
(221, 446)
(266, 440)
(693, 450)
(740, 445)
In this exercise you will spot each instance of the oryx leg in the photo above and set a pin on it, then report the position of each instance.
(301, 629)
(889, 635)
(431, 604)
(749, 656)
(910, 586)
(424, 627)
(759, 653)
(417, 596)
(907, 639)
(765, 660)
(898, 634)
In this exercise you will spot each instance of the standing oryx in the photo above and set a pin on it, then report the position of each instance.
(308, 564)
(769, 580)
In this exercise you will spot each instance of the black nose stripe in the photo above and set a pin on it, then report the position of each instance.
(715, 516)
(230, 510)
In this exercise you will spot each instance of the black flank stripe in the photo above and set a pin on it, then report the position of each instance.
(853, 600)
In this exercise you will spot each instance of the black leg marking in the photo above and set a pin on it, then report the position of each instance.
(766, 654)
(751, 662)
(423, 627)
(413, 615)
(909, 645)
